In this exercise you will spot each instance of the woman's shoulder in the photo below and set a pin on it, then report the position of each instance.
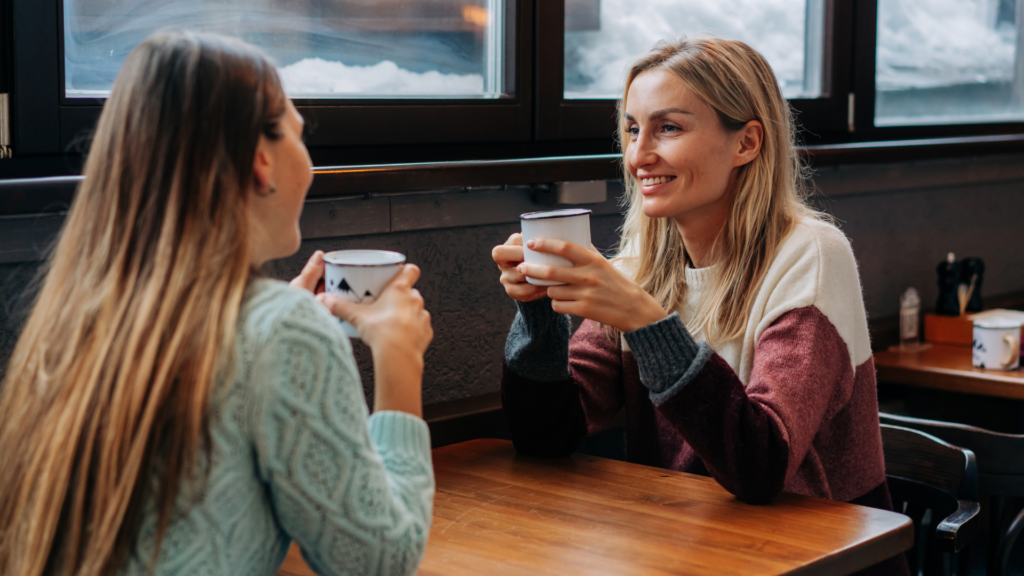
(273, 309)
(817, 239)
(815, 266)
(813, 251)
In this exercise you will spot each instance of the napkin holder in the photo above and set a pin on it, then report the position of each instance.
(959, 330)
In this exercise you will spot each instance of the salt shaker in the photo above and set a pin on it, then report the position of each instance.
(910, 316)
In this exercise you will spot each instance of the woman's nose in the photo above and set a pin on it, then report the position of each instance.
(643, 151)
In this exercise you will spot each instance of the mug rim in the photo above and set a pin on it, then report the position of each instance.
(1011, 327)
(339, 253)
(562, 213)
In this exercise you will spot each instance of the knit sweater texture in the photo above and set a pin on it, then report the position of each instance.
(295, 456)
(791, 405)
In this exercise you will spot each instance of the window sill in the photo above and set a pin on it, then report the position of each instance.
(38, 195)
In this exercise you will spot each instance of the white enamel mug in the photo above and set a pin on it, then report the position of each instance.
(996, 344)
(359, 276)
(571, 225)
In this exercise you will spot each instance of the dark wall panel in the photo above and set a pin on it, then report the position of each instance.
(899, 229)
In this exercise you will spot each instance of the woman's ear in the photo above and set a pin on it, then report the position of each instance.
(749, 143)
(262, 165)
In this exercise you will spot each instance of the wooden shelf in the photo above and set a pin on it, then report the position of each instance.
(948, 368)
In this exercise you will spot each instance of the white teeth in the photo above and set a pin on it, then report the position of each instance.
(657, 180)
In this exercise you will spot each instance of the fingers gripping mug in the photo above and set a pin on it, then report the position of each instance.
(359, 276)
(996, 344)
(571, 225)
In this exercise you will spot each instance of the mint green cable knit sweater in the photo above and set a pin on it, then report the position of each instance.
(295, 456)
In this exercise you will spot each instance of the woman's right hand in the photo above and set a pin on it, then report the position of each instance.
(397, 329)
(508, 256)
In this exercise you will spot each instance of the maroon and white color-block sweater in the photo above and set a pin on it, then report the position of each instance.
(791, 406)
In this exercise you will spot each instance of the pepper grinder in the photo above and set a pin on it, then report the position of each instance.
(949, 280)
(972, 270)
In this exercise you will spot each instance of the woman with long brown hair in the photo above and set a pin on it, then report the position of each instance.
(730, 327)
(168, 410)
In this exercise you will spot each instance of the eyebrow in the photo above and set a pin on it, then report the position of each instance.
(659, 113)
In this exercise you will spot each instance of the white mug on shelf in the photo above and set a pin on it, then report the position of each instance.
(996, 344)
(571, 225)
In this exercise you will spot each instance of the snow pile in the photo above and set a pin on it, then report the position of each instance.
(931, 43)
(596, 61)
(313, 77)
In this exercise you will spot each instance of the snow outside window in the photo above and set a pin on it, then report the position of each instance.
(949, 62)
(324, 48)
(603, 37)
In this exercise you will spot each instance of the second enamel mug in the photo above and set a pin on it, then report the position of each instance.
(571, 225)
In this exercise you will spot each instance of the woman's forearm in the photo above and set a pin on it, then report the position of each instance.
(398, 378)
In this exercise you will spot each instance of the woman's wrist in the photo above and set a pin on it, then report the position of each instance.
(649, 314)
(398, 379)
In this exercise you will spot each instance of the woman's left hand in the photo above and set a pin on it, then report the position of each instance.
(312, 276)
(593, 289)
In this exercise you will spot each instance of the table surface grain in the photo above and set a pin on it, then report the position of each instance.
(497, 513)
(943, 367)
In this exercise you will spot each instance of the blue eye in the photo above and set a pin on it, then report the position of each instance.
(669, 128)
(633, 130)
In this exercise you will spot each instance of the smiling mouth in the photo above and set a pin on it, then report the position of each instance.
(656, 180)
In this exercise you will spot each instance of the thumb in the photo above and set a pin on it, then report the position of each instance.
(311, 273)
(340, 308)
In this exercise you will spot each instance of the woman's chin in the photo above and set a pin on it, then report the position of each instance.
(655, 209)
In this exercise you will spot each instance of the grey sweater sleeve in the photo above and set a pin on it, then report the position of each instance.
(667, 356)
(538, 343)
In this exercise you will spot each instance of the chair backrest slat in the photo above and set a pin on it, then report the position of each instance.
(924, 458)
(998, 454)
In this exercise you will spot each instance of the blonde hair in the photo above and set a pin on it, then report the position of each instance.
(104, 405)
(738, 84)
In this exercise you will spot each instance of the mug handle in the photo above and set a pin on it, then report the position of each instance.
(1014, 343)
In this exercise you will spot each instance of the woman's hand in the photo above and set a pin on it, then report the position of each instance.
(397, 329)
(593, 289)
(312, 276)
(395, 319)
(508, 256)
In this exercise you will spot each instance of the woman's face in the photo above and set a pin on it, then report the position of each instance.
(285, 166)
(682, 157)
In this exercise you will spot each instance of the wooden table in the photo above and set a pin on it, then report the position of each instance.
(944, 367)
(498, 513)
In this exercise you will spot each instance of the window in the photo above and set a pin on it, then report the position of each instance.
(431, 80)
(949, 62)
(325, 49)
(603, 38)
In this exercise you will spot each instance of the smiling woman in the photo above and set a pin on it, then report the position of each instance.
(730, 327)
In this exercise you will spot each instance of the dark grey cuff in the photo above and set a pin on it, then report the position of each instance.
(538, 343)
(667, 355)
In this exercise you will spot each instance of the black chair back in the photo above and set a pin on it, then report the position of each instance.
(929, 478)
(1000, 461)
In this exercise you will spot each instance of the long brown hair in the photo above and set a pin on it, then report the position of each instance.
(108, 386)
(738, 84)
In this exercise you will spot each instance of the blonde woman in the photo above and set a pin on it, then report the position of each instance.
(169, 411)
(731, 327)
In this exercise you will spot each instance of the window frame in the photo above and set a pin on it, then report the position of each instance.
(865, 55)
(822, 119)
(536, 122)
(47, 122)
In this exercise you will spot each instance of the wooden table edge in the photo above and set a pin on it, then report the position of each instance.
(842, 563)
(851, 559)
(951, 381)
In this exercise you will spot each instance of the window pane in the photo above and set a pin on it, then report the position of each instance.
(948, 62)
(603, 37)
(324, 48)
